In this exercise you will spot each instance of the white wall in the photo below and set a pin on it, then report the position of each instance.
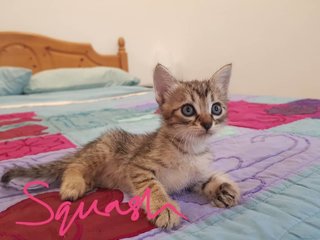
(273, 44)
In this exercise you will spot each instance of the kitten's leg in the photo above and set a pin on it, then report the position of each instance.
(75, 182)
(141, 178)
(220, 190)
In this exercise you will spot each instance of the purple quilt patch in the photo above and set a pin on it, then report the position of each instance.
(256, 161)
(300, 107)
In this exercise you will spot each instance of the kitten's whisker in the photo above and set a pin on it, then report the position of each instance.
(190, 144)
(180, 138)
(178, 132)
(186, 142)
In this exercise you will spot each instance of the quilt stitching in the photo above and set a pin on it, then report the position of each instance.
(263, 197)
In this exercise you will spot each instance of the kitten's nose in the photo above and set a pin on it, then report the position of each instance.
(206, 125)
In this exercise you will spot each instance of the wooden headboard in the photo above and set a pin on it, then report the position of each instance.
(40, 53)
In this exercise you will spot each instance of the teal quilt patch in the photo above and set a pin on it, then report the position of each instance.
(307, 127)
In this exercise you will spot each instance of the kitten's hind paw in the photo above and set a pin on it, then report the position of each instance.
(73, 189)
(168, 219)
(6, 177)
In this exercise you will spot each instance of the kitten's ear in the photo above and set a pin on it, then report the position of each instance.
(221, 78)
(163, 82)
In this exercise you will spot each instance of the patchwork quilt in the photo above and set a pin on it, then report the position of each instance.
(271, 147)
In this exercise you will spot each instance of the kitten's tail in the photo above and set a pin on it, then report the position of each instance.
(53, 170)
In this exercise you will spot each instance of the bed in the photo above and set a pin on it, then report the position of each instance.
(271, 147)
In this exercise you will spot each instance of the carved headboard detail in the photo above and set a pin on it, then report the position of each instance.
(40, 53)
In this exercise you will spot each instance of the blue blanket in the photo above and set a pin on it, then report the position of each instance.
(270, 147)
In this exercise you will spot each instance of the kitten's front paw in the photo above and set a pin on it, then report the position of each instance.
(227, 195)
(168, 219)
(71, 190)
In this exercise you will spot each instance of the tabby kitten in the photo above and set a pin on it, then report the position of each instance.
(169, 160)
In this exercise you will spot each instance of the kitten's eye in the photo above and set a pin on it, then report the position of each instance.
(188, 110)
(216, 109)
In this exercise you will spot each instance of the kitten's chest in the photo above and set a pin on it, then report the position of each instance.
(186, 173)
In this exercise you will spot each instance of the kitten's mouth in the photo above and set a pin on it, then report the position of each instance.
(209, 133)
(205, 133)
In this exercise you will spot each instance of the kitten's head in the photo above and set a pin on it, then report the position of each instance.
(192, 109)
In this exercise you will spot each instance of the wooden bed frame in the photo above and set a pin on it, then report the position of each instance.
(40, 53)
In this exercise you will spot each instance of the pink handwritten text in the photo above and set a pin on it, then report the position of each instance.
(62, 212)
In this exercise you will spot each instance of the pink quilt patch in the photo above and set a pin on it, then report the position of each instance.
(264, 116)
(14, 118)
(31, 142)
(24, 131)
(32, 146)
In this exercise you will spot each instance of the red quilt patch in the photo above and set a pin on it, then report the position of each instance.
(93, 227)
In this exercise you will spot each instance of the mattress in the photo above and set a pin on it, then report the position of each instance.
(270, 146)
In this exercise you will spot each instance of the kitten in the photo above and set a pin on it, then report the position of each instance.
(173, 158)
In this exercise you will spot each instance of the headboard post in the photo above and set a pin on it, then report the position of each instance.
(122, 54)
